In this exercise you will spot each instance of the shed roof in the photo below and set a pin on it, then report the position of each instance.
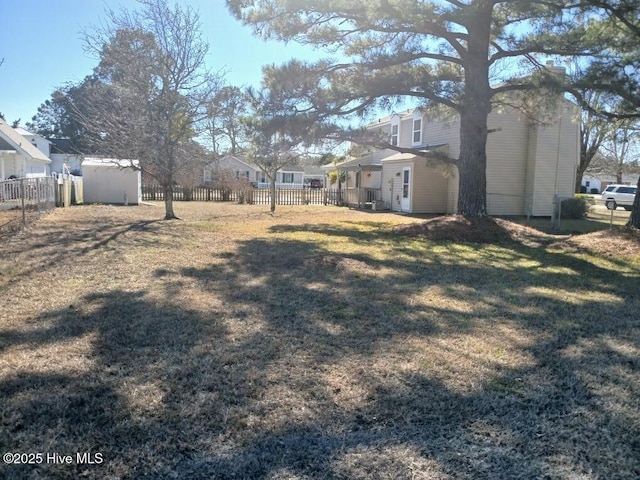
(110, 162)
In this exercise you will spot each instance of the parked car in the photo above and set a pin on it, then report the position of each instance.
(619, 195)
(315, 183)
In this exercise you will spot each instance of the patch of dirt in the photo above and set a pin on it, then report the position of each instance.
(458, 228)
(618, 242)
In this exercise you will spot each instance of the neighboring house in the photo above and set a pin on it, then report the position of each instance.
(65, 158)
(20, 156)
(527, 163)
(36, 140)
(597, 183)
(288, 177)
(591, 184)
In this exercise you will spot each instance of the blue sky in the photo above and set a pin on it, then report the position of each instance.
(42, 48)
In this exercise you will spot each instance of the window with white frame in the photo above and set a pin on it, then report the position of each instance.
(287, 177)
(416, 135)
(395, 131)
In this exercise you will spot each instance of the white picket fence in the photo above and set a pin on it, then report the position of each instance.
(22, 200)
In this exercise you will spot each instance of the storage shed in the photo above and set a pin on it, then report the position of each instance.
(108, 180)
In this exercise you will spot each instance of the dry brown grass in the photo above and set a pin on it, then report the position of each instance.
(314, 343)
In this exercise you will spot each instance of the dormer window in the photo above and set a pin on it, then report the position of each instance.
(416, 138)
(395, 131)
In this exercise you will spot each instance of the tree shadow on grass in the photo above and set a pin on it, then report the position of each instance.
(566, 410)
(62, 245)
(129, 382)
(317, 363)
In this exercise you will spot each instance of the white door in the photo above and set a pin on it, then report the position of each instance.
(405, 202)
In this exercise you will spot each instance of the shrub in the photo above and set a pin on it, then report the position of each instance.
(587, 198)
(575, 208)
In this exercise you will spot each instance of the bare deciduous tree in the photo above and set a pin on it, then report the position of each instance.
(150, 90)
(224, 120)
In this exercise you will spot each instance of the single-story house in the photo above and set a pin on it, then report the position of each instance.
(108, 180)
(291, 176)
(20, 155)
(528, 163)
(593, 183)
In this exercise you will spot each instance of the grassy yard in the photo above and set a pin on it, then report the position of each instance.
(597, 219)
(314, 343)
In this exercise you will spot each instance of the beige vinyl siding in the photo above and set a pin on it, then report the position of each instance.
(443, 131)
(526, 164)
(406, 131)
(371, 179)
(429, 189)
(392, 185)
(532, 149)
(506, 164)
(545, 161)
(569, 151)
(453, 185)
(556, 154)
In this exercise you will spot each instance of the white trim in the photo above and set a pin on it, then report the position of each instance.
(395, 122)
(405, 206)
(417, 117)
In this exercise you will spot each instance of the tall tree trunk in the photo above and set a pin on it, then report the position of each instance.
(472, 164)
(634, 219)
(167, 190)
(476, 105)
(579, 175)
(273, 193)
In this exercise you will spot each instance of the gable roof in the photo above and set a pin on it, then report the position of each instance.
(248, 163)
(242, 160)
(366, 162)
(27, 133)
(17, 142)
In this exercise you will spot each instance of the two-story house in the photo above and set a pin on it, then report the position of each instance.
(528, 163)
